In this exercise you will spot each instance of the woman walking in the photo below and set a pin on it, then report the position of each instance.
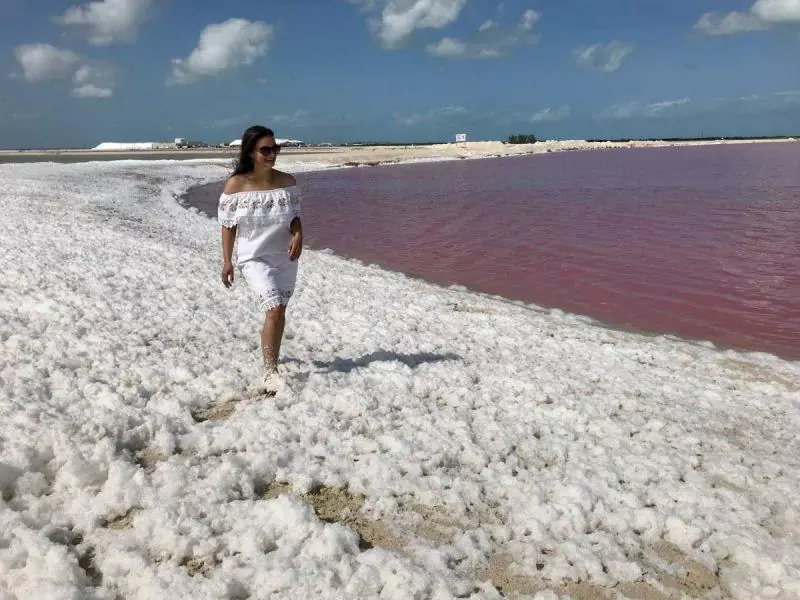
(261, 207)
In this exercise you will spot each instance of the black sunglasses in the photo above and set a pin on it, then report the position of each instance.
(267, 150)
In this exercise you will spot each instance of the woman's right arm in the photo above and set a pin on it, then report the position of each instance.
(228, 235)
(228, 239)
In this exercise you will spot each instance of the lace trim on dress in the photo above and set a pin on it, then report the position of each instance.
(270, 206)
(273, 299)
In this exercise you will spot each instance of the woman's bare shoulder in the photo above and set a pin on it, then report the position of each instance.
(285, 179)
(235, 183)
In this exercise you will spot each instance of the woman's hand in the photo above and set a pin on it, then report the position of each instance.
(296, 246)
(227, 275)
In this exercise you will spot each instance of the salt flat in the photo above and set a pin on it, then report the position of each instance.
(429, 443)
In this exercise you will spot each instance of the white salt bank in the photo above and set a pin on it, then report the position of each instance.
(124, 146)
(429, 442)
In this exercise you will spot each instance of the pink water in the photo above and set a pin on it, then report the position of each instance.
(700, 242)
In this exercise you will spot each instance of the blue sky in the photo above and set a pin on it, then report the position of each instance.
(77, 74)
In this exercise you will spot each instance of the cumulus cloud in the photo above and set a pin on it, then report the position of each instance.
(222, 47)
(763, 15)
(93, 80)
(108, 21)
(777, 11)
(41, 62)
(552, 114)
(606, 59)
(490, 41)
(732, 23)
(529, 19)
(448, 48)
(393, 21)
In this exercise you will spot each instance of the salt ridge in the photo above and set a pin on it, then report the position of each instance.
(479, 432)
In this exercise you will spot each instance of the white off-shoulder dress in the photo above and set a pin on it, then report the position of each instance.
(262, 219)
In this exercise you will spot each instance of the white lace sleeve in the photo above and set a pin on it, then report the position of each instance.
(226, 212)
(297, 202)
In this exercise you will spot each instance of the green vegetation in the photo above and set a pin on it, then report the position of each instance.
(523, 138)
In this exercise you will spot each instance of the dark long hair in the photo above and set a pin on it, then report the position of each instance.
(249, 140)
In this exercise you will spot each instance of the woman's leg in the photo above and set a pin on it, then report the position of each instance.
(271, 337)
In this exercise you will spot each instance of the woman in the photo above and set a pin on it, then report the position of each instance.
(261, 206)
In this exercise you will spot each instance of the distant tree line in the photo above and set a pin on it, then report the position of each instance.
(522, 138)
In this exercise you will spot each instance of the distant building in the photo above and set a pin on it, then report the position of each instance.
(288, 143)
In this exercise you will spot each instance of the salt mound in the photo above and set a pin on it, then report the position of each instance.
(118, 146)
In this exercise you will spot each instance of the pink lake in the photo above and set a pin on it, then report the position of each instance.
(699, 242)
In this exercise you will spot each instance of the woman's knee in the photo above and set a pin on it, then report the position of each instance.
(277, 314)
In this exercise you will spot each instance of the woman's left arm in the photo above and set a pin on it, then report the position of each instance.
(296, 244)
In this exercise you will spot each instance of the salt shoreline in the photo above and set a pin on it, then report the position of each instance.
(208, 209)
(373, 154)
(451, 442)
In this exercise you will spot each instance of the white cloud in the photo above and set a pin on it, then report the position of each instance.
(93, 80)
(763, 15)
(657, 108)
(92, 91)
(398, 19)
(684, 107)
(223, 46)
(41, 62)
(777, 11)
(108, 21)
(620, 111)
(83, 74)
(489, 53)
(777, 101)
(550, 114)
(490, 41)
(607, 59)
(665, 108)
(529, 19)
(732, 23)
(447, 48)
